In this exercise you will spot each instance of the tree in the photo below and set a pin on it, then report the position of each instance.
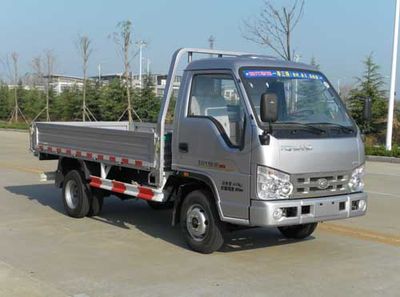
(314, 63)
(17, 110)
(123, 39)
(396, 123)
(148, 105)
(5, 101)
(37, 67)
(93, 93)
(85, 50)
(274, 27)
(49, 63)
(111, 101)
(38, 79)
(31, 102)
(67, 107)
(369, 85)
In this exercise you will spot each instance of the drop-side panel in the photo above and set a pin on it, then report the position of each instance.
(115, 142)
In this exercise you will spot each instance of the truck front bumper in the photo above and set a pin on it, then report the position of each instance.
(310, 210)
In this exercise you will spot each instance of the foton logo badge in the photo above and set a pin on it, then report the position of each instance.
(322, 183)
(296, 148)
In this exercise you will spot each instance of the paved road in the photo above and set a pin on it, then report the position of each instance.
(130, 250)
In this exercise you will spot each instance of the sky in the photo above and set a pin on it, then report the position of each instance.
(339, 34)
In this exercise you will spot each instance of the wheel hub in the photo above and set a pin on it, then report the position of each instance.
(72, 194)
(197, 222)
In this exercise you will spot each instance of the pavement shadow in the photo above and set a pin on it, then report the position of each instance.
(45, 194)
(256, 238)
(156, 223)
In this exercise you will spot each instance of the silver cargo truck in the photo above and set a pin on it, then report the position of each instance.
(255, 141)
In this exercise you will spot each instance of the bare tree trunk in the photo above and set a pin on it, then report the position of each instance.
(14, 57)
(123, 40)
(85, 51)
(128, 80)
(37, 64)
(49, 66)
(14, 117)
(274, 27)
(84, 101)
(288, 46)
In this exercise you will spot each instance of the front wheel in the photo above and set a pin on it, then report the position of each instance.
(298, 231)
(200, 223)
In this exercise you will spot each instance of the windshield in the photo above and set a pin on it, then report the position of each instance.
(304, 97)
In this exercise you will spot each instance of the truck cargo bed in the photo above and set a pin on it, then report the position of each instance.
(129, 145)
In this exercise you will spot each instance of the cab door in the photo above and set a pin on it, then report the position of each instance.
(214, 139)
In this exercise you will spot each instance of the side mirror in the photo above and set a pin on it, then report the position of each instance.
(269, 108)
(367, 109)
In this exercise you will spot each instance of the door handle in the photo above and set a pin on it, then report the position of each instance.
(183, 147)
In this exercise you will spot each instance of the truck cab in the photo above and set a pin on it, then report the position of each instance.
(303, 165)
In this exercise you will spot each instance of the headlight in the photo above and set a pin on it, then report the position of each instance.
(273, 184)
(356, 182)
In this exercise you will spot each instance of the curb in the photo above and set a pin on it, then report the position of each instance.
(15, 130)
(383, 159)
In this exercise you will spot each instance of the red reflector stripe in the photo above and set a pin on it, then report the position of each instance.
(95, 182)
(100, 157)
(89, 155)
(138, 163)
(124, 161)
(118, 187)
(145, 193)
(78, 154)
(58, 150)
(112, 158)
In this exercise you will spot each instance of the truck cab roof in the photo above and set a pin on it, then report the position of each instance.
(235, 63)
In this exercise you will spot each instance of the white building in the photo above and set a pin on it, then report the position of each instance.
(159, 81)
(61, 82)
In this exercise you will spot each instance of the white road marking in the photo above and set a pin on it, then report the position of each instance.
(382, 174)
(385, 194)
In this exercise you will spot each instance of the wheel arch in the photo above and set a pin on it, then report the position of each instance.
(65, 165)
(190, 183)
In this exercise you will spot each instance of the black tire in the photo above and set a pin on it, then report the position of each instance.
(76, 195)
(96, 202)
(298, 231)
(198, 206)
(160, 205)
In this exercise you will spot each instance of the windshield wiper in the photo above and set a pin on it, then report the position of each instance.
(309, 127)
(341, 127)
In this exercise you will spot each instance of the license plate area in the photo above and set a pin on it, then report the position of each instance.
(328, 208)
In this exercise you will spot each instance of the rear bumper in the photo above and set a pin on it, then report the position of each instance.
(303, 211)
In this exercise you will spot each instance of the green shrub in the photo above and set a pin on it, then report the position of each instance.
(381, 151)
(19, 125)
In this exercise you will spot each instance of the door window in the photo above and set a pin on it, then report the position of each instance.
(215, 96)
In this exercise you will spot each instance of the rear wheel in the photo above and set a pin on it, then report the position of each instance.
(96, 202)
(298, 231)
(76, 194)
(200, 223)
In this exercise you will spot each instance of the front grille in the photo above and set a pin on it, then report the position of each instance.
(319, 184)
